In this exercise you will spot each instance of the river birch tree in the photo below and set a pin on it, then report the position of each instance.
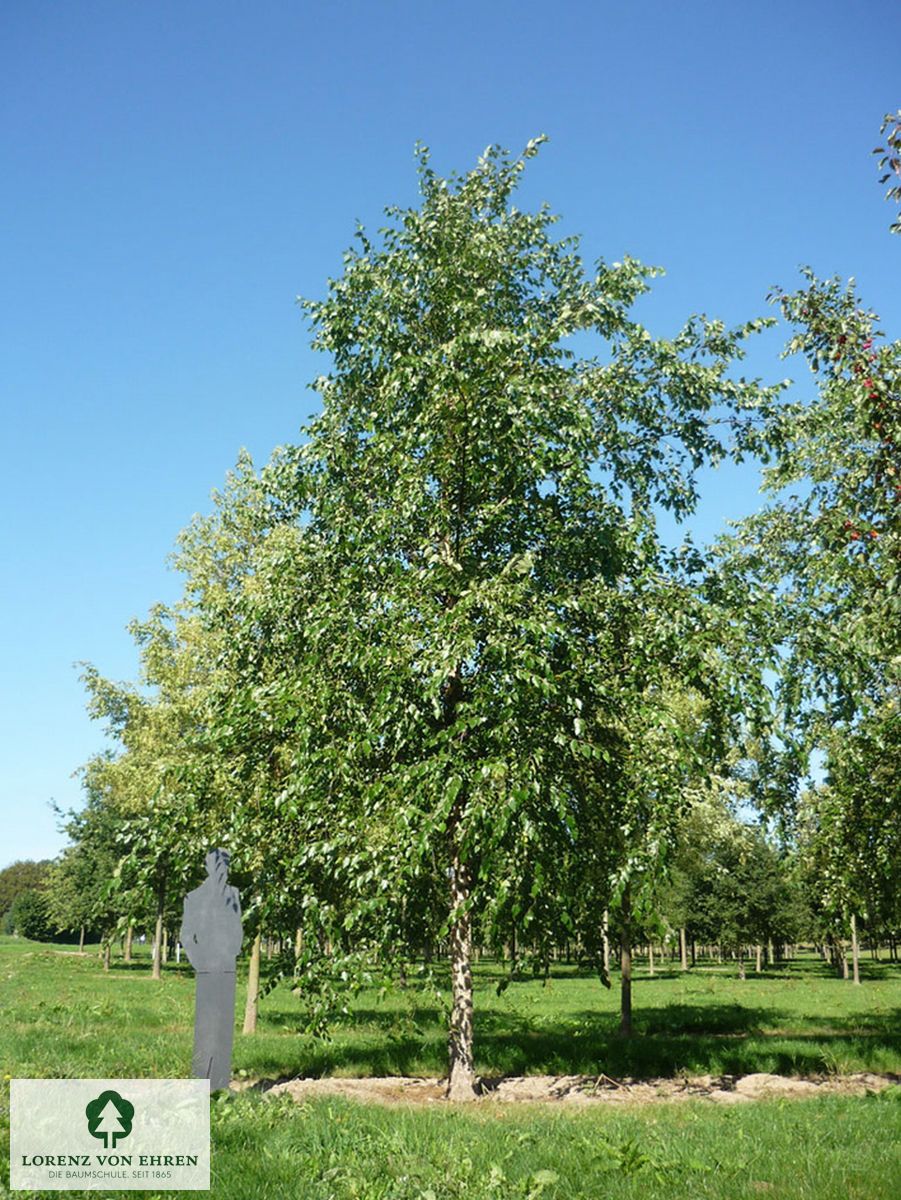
(493, 606)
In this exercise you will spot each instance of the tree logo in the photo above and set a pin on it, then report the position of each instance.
(109, 1117)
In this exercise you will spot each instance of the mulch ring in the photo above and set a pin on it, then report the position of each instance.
(581, 1089)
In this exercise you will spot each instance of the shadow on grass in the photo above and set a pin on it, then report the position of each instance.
(145, 967)
(695, 1039)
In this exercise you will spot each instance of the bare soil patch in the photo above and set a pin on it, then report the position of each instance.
(582, 1089)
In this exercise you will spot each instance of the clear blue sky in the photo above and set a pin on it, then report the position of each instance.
(174, 174)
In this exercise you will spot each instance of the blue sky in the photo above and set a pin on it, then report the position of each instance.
(175, 174)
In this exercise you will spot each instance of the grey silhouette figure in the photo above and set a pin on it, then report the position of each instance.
(211, 934)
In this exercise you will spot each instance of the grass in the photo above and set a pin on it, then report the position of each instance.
(57, 1007)
(61, 1015)
(813, 1150)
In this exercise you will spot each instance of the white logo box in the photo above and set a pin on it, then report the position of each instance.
(149, 1134)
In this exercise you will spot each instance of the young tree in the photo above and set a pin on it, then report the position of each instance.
(162, 783)
(830, 545)
(489, 610)
(71, 890)
(81, 886)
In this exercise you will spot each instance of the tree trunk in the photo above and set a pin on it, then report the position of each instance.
(106, 952)
(759, 963)
(605, 934)
(158, 935)
(461, 1078)
(683, 948)
(252, 1004)
(650, 958)
(740, 954)
(298, 943)
(165, 944)
(129, 933)
(625, 962)
(461, 1084)
(81, 940)
(855, 949)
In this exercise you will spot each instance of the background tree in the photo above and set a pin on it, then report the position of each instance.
(890, 160)
(160, 785)
(90, 864)
(830, 546)
(72, 890)
(28, 916)
(22, 876)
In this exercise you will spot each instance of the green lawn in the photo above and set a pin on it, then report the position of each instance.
(59, 1008)
(61, 1015)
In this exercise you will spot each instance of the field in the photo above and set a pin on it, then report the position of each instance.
(61, 1015)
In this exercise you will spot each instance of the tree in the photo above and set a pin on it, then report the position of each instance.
(72, 891)
(850, 835)
(28, 916)
(22, 876)
(159, 786)
(830, 545)
(890, 160)
(81, 890)
(488, 624)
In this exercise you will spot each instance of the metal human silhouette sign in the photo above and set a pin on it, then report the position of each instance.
(211, 934)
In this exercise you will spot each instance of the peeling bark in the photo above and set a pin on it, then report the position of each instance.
(462, 1078)
(625, 962)
(158, 935)
(252, 1004)
(855, 949)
